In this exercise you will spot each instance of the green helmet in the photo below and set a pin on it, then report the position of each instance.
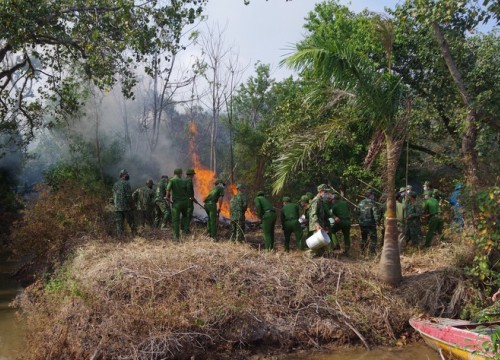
(178, 171)
(260, 193)
(190, 172)
(304, 198)
(286, 199)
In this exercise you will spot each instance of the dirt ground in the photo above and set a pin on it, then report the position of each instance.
(153, 298)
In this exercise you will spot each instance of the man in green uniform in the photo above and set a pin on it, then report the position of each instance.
(213, 203)
(122, 200)
(341, 220)
(267, 216)
(237, 208)
(162, 208)
(144, 204)
(290, 223)
(190, 192)
(317, 218)
(369, 216)
(413, 211)
(327, 209)
(431, 212)
(178, 197)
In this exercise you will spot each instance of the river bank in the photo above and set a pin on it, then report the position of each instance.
(212, 300)
(11, 331)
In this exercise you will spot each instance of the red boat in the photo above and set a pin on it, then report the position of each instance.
(457, 339)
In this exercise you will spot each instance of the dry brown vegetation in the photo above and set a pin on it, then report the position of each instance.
(154, 299)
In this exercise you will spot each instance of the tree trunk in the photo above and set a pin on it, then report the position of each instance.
(390, 265)
(470, 137)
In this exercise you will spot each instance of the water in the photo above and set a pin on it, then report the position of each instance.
(11, 334)
(417, 351)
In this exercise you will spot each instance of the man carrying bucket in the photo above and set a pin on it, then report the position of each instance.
(317, 216)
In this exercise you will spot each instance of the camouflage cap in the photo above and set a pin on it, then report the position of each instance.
(178, 171)
(123, 172)
(322, 187)
(260, 193)
(427, 182)
(241, 187)
(412, 194)
(310, 195)
(409, 187)
(190, 172)
(150, 182)
(286, 199)
(401, 189)
(304, 198)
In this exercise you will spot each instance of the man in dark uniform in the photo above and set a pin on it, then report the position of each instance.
(267, 216)
(162, 208)
(144, 204)
(237, 208)
(122, 200)
(341, 220)
(290, 223)
(213, 203)
(178, 197)
(369, 216)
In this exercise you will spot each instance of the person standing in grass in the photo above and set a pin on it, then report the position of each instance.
(190, 192)
(290, 223)
(369, 216)
(267, 216)
(213, 203)
(178, 197)
(162, 208)
(237, 208)
(144, 204)
(122, 200)
(431, 212)
(341, 220)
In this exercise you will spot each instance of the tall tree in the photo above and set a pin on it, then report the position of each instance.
(375, 91)
(47, 46)
(455, 19)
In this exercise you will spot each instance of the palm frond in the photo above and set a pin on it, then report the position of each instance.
(301, 149)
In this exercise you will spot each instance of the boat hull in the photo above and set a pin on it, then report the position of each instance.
(454, 339)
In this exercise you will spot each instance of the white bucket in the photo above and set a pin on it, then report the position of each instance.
(318, 240)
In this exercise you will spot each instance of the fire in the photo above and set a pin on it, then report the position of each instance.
(204, 180)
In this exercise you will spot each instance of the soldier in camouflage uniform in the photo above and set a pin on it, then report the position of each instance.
(317, 218)
(144, 204)
(267, 216)
(413, 211)
(341, 220)
(122, 200)
(369, 216)
(290, 223)
(237, 208)
(212, 204)
(431, 212)
(178, 196)
(162, 207)
(401, 219)
(190, 191)
(304, 209)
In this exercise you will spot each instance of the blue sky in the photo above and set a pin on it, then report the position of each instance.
(264, 30)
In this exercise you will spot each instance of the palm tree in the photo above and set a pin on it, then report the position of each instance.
(378, 95)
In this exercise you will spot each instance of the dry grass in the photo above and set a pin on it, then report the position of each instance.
(162, 300)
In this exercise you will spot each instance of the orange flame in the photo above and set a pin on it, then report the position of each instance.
(204, 180)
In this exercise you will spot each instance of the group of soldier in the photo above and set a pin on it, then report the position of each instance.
(174, 198)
